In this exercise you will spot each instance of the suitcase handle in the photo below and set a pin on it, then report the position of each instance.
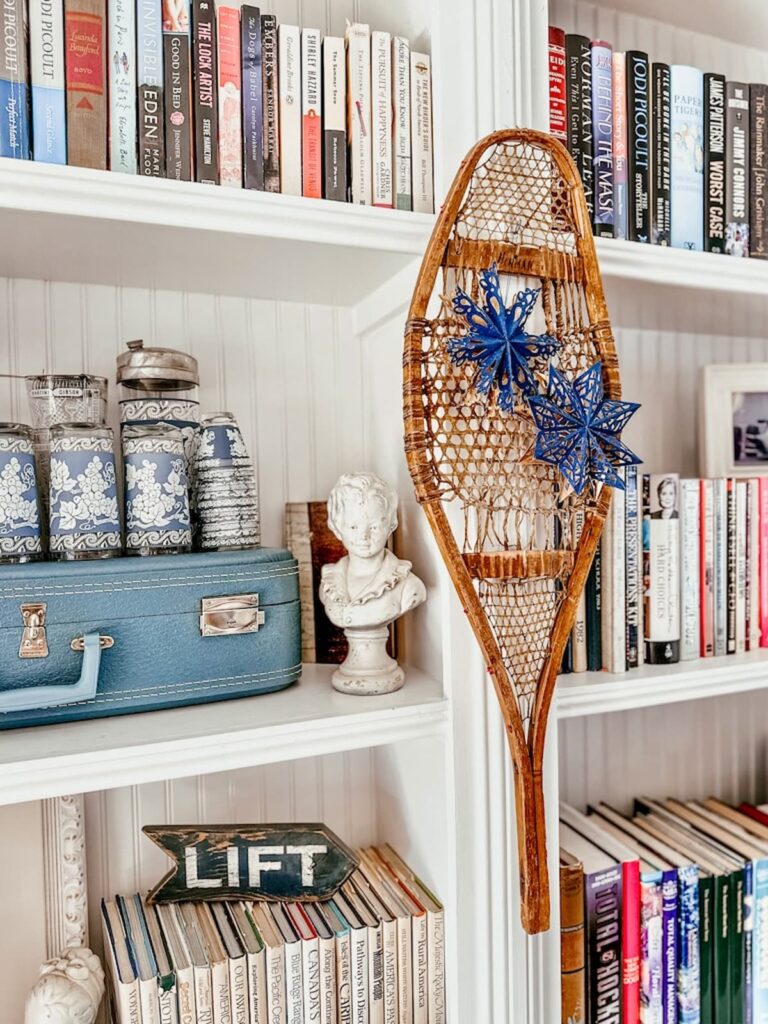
(33, 698)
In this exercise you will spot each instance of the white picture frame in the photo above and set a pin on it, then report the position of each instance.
(733, 420)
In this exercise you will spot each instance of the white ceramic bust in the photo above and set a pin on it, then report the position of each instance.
(370, 587)
(68, 991)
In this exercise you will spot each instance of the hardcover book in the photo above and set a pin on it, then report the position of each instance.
(334, 121)
(269, 81)
(707, 567)
(741, 566)
(122, 86)
(253, 109)
(230, 98)
(669, 946)
(311, 115)
(205, 75)
(46, 69)
(614, 586)
(737, 169)
(381, 117)
(14, 76)
(578, 70)
(661, 567)
(358, 45)
(558, 117)
(638, 145)
(289, 92)
(421, 133)
(571, 939)
(714, 163)
(602, 135)
(758, 171)
(594, 614)
(690, 555)
(633, 558)
(85, 32)
(401, 122)
(579, 631)
(178, 90)
(719, 488)
(619, 100)
(763, 566)
(731, 548)
(687, 161)
(149, 79)
(661, 154)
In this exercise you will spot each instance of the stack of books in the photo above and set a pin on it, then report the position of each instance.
(681, 572)
(664, 913)
(374, 952)
(667, 153)
(217, 93)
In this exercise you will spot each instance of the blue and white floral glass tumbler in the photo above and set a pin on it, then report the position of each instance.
(156, 490)
(20, 539)
(83, 517)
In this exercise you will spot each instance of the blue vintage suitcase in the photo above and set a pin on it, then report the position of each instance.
(95, 638)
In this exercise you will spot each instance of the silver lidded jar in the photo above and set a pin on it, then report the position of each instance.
(156, 491)
(20, 532)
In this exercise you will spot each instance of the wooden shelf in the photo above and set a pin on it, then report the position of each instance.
(594, 693)
(305, 720)
(97, 227)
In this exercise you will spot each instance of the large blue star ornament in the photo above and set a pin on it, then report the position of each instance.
(578, 429)
(497, 341)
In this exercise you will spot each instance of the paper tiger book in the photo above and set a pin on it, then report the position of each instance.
(687, 160)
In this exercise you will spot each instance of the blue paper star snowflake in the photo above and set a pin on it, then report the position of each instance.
(497, 341)
(579, 429)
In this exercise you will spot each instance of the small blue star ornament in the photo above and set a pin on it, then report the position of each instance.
(498, 342)
(579, 429)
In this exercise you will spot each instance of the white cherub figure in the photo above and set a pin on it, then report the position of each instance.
(68, 991)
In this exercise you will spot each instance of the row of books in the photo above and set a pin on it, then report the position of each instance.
(664, 913)
(666, 153)
(217, 93)
(373, 953)
(681, 573)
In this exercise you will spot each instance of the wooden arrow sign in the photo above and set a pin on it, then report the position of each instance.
(265, 862)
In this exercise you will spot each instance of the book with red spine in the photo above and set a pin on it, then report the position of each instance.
(85, 29)
(558, 108)
(630, 942)
(754, 813)
(707, 567)
(763, 558)
(230, 105)
(311, 115)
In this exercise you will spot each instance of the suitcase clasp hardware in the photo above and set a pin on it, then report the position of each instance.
(34, 642)
(231, 615)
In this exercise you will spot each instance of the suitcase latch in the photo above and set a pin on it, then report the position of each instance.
(228, 616)
(34, 642)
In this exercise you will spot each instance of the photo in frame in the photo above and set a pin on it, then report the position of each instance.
(733, 418)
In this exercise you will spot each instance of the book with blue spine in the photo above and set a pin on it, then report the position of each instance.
(688, 937)
(669, 946)
(46, 73)
(14, 89)
(651, 950)
(602, 134)
(760, 944)
(687, 164)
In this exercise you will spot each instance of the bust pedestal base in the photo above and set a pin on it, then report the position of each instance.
(368, 669)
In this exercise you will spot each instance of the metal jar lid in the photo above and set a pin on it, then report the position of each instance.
(16, 430)
(156, 369)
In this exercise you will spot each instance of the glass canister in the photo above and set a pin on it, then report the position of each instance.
(83, 517)
(20, 534)
(228, 502)
(156, 495)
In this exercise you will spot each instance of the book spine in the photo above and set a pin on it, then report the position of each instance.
(736, 923)
(722, 959)
(203, 996)
(421, 133)
(579, 632)
(381, 118)
(737, 169)
(661, 566)
(312, 997)
(731, 556)
(688, 946)
(748, 926)
(358, 47)
(707, 949)
(661, 154)
(603, 902)
(327, 949)
(238, 990)
(185, 995)
(289, 73)
(311, 116)
(230, 97)
(651, 950)
(222, 1004)
(572, 945)
(85, 73)
(758, 172)
(594, 614)
(257, 986)
(294, 983)
(420, 961)
(602, 135)
(436, 967)
(618, 653)
(149, 79)
(669, 946)
(721, 566)
(344, 976)
(14, 81)
(690, 552)
(574, 82)
(760, 943)
(714, 163)
(687, 165)
(122, 86)
(707, 568)
(633, 574)
(205, 75)
(741, 565)
(389, 939)
(404, 968)
(375, 975)
(753, 563)
(334, 132)
(359, 957)
(253, 108)
(277, 1009)
(763, 558)
(639, 145)
(630, 942)
(619, 101)
(401, 123)
(178, 91)
(558, 112)
(46, 73)
(271, 126)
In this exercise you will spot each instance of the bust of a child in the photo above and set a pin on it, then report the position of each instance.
(370, 587)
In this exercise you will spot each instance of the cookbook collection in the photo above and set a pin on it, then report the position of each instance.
(217, 93)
